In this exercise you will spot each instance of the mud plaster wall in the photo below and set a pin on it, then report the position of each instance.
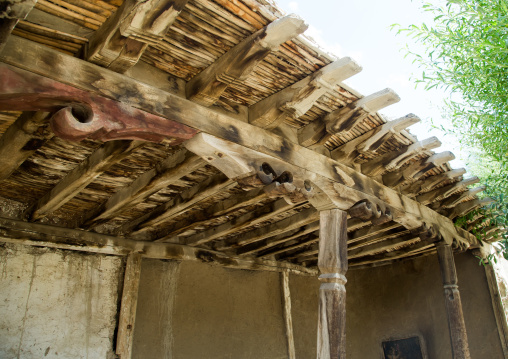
(57, 304)
(217, 313)
(398, 301)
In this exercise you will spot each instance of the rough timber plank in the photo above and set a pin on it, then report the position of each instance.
(206, 87)
(40, 235)
(21, 140)
(294, 101)
(119, 43)
(82, 175)
(128, 306)
(342, 184)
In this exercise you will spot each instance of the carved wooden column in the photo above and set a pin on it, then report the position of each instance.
(456, 325)
(332, 263)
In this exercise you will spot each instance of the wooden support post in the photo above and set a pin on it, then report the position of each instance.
(128, 306)
(456, 324)
(288, 318)
(332, 263)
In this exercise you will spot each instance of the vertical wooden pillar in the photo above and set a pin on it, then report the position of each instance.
(332, 263)
(456, 324)
(128, 306)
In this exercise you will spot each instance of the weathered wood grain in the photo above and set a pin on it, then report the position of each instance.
(128, 306)
(172, 168)
(453, 304)
(40, 235)
(333, 264)
(294, 101)
(239, 62)
(27, 134)
(288, 316)
(82, 175)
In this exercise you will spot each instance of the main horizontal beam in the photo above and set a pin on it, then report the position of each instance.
(342, 184)
(14, 231)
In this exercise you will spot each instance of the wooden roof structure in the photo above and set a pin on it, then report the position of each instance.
(210, 130)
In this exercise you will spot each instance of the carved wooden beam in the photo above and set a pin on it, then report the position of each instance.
(416, 170)
(343, 185)
(372, 140)
(396, 159)
(432, 182)
(80, 114)
(207, 87)
(170, 170)
(82, 175)
(294, 101)
(11, 11)
(453, 304)
(119, 43)
(345, 119)
(27, 134)
(333, 264)
(40, 235)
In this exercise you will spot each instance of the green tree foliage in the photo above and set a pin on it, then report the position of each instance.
(466, 52)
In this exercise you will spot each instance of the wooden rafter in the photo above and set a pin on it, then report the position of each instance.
(239, 62)
(27, 134)
(171, 169)
(82, 175)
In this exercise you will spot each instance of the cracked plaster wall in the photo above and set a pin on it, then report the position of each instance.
(57, 304)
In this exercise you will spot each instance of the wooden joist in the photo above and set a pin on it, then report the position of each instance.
(396, 159)
(431, 183)
(40, 235)
(446, 191)
(384, 246)
(27, 134)
(458, 198)
(218, 210)
(294, 101)
(370, 231)
(82, 175)
(207, 87)
(182, 202)
(168, 171)
(372, 140)
(466, 207)
(251, 218)
(121, 40)
(288, 224)
(416, 170)
(345, 119)
(412, 250)
(265, 244)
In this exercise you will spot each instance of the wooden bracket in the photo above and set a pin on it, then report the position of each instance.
(79, 114)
